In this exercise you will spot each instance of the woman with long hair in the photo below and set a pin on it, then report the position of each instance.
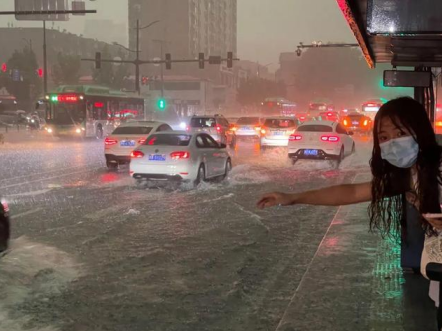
(405, 164)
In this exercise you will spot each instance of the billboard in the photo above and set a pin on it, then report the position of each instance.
(41, 5)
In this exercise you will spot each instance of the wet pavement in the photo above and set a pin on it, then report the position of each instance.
(92, 252)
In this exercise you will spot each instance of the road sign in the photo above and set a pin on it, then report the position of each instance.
(41, 5)
(78, 5)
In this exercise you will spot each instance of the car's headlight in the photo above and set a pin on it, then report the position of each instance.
(78, 130)
(50, 130)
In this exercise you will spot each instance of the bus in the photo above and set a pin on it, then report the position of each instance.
(278, 107)
(89, 111)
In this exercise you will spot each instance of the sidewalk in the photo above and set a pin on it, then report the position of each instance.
(355, 283)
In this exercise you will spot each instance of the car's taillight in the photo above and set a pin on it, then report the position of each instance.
(110, 141)
(302, 118)
(179, 155)
(330, 138)
(439, 124)
(258, 128)
(365, 122)
(295, 137)
(136, 154)
(142, 141)
(5, 206)
(345, 122)
(233, 128)
(187, 128)
(263, 131)
(218, 128)
(329, 114)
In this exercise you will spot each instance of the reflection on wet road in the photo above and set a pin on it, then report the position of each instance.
(96, 253)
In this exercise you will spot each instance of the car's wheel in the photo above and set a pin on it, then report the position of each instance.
(201, 177)
(99, 133)
(294, 161)
(228, 169)
(341, 155)
(112, 165)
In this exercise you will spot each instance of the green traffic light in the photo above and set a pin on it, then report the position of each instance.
(54, 98)
(162, 104)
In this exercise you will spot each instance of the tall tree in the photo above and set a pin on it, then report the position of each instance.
(21, 79)
(67, 69)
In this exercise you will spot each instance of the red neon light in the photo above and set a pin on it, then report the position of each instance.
(68, 98)
(98, 104)
(4, 67)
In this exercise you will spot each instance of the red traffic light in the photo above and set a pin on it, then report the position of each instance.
(4, 67)
(40, 72)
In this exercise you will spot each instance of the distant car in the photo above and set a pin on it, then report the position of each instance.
(330, 115)
(304, 116)
(277, 130)
(180, 157)
(123, 140)
(247, 127)
(320, 140)
(357, 122)
(5, 231)
(216, 126)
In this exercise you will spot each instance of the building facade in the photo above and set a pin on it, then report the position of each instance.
(185, 27)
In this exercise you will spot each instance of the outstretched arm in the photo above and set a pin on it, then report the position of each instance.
(345, 194)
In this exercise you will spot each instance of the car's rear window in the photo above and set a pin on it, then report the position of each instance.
(356, 117)
(202, 122)
(248, 120)
(315, 128)
(132, 130)
(169, 140)
(279, 123)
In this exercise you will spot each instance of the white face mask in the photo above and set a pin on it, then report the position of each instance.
(400, 152)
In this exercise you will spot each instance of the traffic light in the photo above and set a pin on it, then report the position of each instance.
(40, 72)
(98, 60)
(4, 67)
(162, 104)
(168, 61)
(229, 59)
(201, 60)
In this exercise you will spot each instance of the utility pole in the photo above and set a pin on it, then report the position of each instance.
(137, 61)
(45, 61)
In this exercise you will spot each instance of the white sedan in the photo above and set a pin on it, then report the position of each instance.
(321, 140)
(180, 157)
(124, 139)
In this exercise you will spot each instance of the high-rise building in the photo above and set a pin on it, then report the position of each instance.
(185, 27)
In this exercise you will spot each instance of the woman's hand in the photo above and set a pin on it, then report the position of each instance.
(275, 199)
(435, 220)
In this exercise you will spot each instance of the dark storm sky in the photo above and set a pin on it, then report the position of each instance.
(265, 27)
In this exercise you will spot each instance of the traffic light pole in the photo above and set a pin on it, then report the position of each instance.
(137, 61)
(45, 61)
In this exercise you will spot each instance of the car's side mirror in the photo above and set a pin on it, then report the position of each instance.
(222, 146)
(350, 133)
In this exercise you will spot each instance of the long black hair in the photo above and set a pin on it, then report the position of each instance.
(390, 183)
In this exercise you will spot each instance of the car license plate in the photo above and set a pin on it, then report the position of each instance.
(313, 152)
(278, 133)
(355, 123)
(245, 128)
(157, 157)
(127, 143)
